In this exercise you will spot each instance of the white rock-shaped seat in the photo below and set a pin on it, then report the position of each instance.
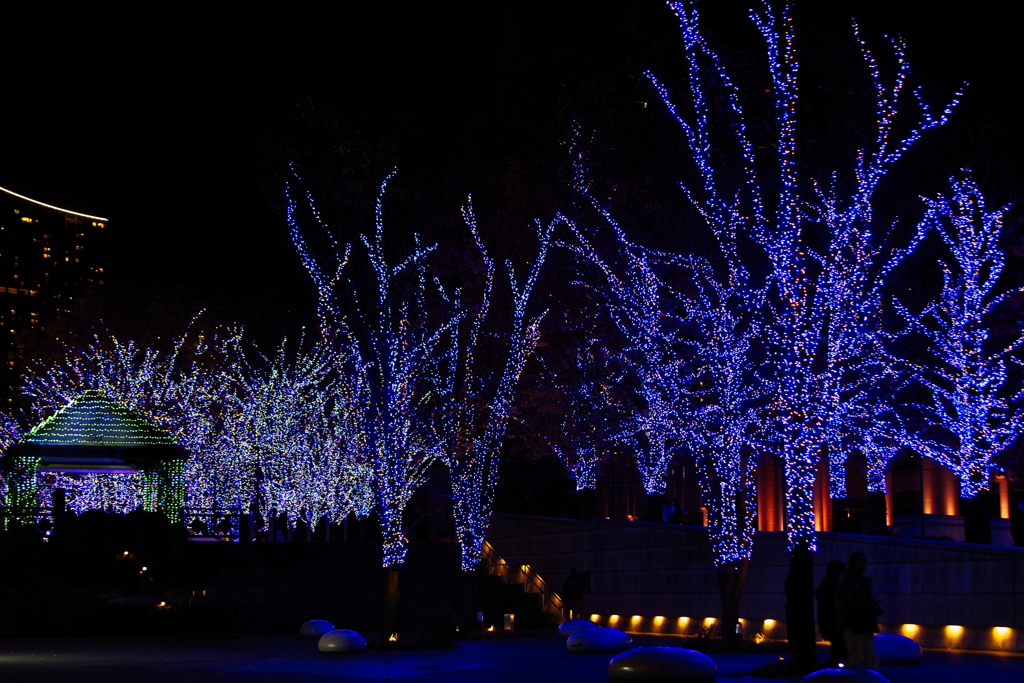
(315, 628)
(342, 640)
(860, 675)
(598, 640)
(896, 649)
(661, 664)
(574, 626)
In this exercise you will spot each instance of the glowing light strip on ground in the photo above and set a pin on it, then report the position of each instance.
(51, 206)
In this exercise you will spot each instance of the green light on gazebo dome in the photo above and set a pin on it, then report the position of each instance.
(95, 420)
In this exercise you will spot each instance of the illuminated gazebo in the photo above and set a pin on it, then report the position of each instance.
(95, 434)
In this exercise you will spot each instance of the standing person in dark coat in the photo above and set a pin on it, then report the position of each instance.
(828, 624)
(675, 513)
(572, 595)
(857, 610)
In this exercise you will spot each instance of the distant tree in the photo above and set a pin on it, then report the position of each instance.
(590, 415)
(294, 434)
(642, 309)
(10, 433)
(979, 409)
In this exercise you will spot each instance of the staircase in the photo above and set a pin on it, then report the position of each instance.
(519, 590)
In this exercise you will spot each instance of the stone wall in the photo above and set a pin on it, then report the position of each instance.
(651, 570)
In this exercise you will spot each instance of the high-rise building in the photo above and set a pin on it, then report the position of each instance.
(47, 255)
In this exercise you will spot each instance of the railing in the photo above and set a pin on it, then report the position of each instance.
(213, 524)
(26, 521)
(524, 574)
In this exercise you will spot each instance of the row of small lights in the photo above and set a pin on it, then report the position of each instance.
(909, 630)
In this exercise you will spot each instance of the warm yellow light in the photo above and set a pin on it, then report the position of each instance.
(708, 621)
(525, 567)
(758, 638)
(490, 628)
(955, 630)
(909, 630)
(394, 636)
(769, 623)
(595, 617)
(1001, 631)
(683, 621)
(50, 206)
(613, 618)
(659, 620)
(636, 618)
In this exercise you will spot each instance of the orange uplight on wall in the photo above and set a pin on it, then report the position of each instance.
(769, 623)
(1001, 632)
(636, 619)
(909, 630)
(613, 619)
(683, 622)
(595, 617)
(659, 620)
(709, 621)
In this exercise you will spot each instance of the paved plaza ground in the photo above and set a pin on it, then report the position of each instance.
(279, 659)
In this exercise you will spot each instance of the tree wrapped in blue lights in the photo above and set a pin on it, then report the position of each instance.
(385, 347)
(820, 317)
(642, 308)
(730, 398)
(590, 413)
(714, 396)
(472, 416)
(973, 400)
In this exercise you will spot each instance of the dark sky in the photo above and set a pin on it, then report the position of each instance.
(161, 124)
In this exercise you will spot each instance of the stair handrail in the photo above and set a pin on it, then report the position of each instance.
(498, 566)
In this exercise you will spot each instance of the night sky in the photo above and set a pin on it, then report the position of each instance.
(177, 127)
